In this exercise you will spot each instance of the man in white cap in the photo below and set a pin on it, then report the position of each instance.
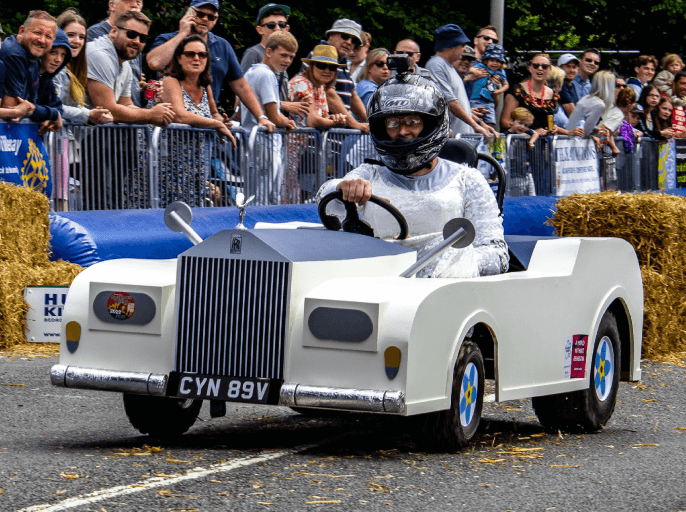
(345, 35)
(568, 63)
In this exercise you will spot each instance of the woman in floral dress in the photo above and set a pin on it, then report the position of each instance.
(310, 85)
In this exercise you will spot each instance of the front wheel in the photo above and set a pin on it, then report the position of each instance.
(454, 428)
(161, 417)
(590, 409)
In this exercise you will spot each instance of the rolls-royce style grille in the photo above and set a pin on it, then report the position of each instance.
(232, 317)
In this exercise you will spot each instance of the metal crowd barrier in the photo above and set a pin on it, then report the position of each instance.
(346, 149)
(533, 172)
(196, 166)
(100, 167)
(130, 167)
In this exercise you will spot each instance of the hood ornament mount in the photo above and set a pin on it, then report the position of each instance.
(241, 203)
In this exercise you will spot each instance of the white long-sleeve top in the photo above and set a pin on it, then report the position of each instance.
(428, 202)
(71, 111)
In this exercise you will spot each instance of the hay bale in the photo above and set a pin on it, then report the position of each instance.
(24, 225)
(24, 239)
(653, 224)
(15, 277)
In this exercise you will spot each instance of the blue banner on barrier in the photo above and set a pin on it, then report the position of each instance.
(23, 159)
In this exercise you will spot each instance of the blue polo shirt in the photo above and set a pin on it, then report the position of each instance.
(581, 86)
(568, 94)
(224, 61)
(21, 74)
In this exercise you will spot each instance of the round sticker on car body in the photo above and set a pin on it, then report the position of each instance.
(121, 305)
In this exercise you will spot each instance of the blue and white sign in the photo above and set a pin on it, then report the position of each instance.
(576, 166)
(44, 317)
(23, 158)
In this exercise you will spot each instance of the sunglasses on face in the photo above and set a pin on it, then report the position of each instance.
(191, 55)
(203, 15)
(397, 122)
(322, 66)
(489, 38)
(347, 37)
(591, 61)
(132, 35)
(271, 25)
(409, 54)
(619, 86)
(540, 66)
(380, 64)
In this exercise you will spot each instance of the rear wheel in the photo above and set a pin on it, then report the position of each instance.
(591, 408)
(161, 417)
(454, 428)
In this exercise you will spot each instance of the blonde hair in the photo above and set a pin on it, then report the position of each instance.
(372, 57)
(556, 77)
(670, 59)
(521, 114)
(283, 39)
(544, 55)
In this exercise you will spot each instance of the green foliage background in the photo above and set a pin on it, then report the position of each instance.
(650, 27)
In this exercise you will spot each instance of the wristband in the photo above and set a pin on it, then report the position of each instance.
(262, 117)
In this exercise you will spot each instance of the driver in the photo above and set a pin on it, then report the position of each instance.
(408, 123)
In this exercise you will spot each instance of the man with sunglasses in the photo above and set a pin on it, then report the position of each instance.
(411, 48)
(109, 72)
(485, 36)
(200, 19)
(588, 65)
(115, 9)
(273, 18)
(270, 18)
(345, 35)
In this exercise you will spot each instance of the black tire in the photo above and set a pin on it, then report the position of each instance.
(161, 417)
(590, 409)
(454, 428)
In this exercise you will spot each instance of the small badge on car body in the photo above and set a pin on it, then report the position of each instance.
(236, 243)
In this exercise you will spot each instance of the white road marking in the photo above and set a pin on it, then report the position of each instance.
(151, 483)
(489, 398)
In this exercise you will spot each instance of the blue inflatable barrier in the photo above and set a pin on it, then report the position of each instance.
(89, 237)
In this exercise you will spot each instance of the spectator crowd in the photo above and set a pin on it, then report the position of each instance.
(60, 69)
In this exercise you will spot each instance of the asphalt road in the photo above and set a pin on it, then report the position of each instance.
(75, 450)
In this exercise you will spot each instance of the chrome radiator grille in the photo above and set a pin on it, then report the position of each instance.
(232, 317)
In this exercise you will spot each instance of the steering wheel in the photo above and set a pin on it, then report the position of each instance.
(352, 222)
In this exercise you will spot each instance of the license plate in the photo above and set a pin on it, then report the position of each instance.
(232, 389)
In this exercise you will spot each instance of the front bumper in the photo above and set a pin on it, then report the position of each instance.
(369, 400)
(109, 380)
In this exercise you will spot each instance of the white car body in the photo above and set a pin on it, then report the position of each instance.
(215, 320)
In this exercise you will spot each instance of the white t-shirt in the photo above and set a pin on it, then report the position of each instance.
(264, 84)
(104, 67)
(452, 87)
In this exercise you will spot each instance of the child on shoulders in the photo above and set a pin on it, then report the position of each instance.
(487, 88)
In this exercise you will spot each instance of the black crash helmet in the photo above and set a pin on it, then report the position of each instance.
(402, 95)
